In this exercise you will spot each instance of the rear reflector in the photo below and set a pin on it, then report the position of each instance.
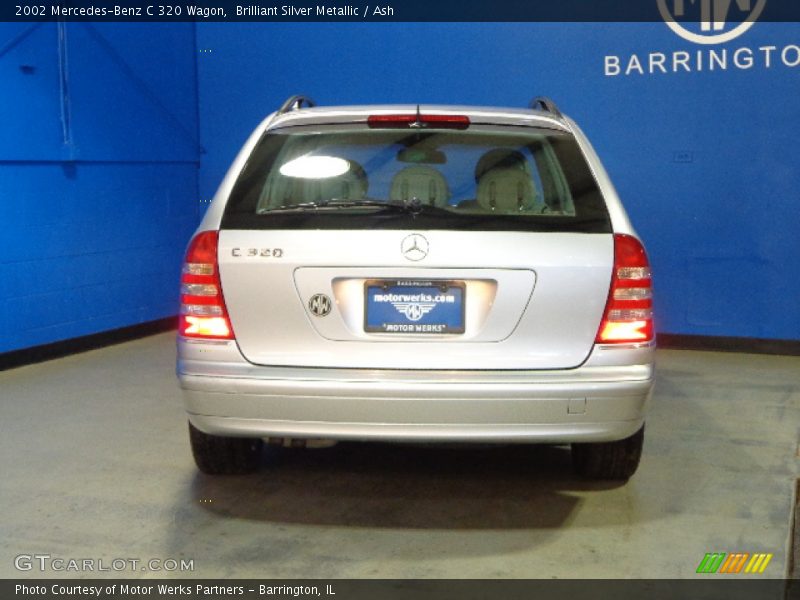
(198, 269)
(201, 310)
(629, 309)
(203, 313)
(632, 293)
(199, 289)
(421, 121)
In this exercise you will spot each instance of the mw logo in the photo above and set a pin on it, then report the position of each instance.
(734, 563)
(713, 13)
(414, 311)
(713, 18)
(320, 305)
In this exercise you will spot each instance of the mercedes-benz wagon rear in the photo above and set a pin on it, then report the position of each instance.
(416, 273)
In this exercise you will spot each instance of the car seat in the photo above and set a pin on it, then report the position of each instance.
(504, 182)
(500, 158)
(351, 185)
(281, 190)
(421, 182)
(506, 190)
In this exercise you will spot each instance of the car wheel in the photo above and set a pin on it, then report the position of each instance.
(609, 460)
(218, 455)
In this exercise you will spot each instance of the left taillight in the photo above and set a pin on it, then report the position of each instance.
(203, 313)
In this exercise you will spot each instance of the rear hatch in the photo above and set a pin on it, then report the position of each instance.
(530, 301)
(456, 247)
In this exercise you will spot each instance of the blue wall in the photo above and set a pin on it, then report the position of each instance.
(706, 162)
(99, 153)
(98, 176)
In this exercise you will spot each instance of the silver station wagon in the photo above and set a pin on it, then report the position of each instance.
(416, 274)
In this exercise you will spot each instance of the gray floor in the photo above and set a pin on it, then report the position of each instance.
(96, 464)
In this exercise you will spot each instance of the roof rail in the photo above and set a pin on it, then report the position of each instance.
(544, 103)
(295, 103)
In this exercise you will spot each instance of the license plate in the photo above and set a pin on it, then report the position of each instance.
(414, 306)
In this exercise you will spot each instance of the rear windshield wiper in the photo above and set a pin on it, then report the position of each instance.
(412, 206)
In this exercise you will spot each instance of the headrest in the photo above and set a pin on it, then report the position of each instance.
(500, 158)
(506, 190)
(422, 182)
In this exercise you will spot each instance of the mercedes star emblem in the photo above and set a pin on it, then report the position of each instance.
(414, 247)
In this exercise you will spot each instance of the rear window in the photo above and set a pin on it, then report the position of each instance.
(348, 177)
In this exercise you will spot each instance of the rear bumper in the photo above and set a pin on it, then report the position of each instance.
(591, 403)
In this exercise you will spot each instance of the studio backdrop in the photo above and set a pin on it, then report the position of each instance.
(115, 137)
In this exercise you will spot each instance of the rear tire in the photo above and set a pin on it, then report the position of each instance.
(609, 460)
(218, 455)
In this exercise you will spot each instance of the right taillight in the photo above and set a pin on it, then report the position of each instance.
(629, 310)
(203, 312)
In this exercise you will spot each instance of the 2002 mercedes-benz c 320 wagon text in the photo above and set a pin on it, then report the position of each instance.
(416, 273)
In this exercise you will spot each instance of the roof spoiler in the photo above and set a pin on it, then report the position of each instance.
(296, 103)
